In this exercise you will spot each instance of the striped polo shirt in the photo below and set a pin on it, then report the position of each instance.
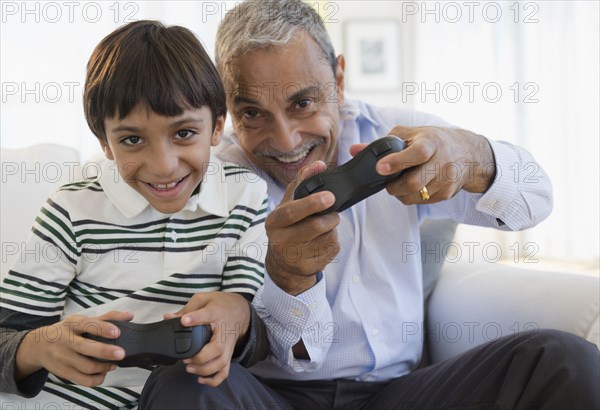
(97, 245)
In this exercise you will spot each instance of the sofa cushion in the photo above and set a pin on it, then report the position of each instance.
(477, 302)
(28, 176)
(436, 234)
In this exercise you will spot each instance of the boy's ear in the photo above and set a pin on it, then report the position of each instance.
(218, 132)
(106, 149)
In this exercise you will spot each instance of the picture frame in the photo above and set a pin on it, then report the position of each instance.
(372, 51)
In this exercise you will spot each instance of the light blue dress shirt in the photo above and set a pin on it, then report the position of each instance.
(363, 320)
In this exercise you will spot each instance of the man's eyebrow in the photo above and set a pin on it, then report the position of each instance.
(178, 123)
(241, 99)
(310, 91)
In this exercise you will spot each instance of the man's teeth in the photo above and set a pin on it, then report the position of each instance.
(289, 159)
(295, 158)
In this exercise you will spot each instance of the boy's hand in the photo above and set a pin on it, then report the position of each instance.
(60, 349)
(229, 317)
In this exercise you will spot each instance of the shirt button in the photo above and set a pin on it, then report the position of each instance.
(375, 332)
(298, 313)
(355, 279)
(174, 236)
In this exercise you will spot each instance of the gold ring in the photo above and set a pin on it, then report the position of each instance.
(424, 193)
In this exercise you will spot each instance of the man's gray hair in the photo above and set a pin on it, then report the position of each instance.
(254, 25)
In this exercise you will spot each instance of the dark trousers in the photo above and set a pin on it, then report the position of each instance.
(546, 369)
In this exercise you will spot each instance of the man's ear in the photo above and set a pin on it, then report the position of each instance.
(340, 79)
(106, 149)
(218, 131)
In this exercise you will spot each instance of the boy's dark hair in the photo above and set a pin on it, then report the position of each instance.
(165, 68)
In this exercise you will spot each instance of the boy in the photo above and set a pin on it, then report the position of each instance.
(163, 223)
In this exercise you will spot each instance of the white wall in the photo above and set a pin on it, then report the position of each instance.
(549, 50)
(544, 59)
(45, 48)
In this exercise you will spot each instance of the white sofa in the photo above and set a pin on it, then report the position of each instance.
(470, 303)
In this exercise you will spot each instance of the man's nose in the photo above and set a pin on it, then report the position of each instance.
(285, 134)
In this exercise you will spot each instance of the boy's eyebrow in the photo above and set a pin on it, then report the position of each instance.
(130, 128)
(125, 128)
(187, 120)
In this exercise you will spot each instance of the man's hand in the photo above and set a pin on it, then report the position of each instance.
(300, 244)
(229, 317)
(63, 351)
(444, 160)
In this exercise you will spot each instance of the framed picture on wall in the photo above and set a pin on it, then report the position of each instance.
(372, 51)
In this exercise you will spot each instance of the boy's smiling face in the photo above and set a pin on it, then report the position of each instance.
(163, 158)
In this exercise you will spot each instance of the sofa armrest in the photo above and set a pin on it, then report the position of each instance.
(29, 175)
(475, 303)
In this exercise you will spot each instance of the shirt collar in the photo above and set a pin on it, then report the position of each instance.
(210, 198)
(349, 111)
(353, 110)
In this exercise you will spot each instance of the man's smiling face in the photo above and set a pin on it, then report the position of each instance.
(285, 106)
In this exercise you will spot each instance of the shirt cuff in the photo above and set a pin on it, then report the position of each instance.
(293, 311)
(498, 198)
(29, 386)
(298, 318)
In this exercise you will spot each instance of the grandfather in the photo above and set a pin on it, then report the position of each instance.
(336, 305)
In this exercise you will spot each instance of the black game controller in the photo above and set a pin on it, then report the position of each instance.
(355, 180)
(158, 343)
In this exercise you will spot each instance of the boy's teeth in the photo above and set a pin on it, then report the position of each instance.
(164, 186)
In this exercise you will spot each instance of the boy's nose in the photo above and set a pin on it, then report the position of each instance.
(163, 161)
